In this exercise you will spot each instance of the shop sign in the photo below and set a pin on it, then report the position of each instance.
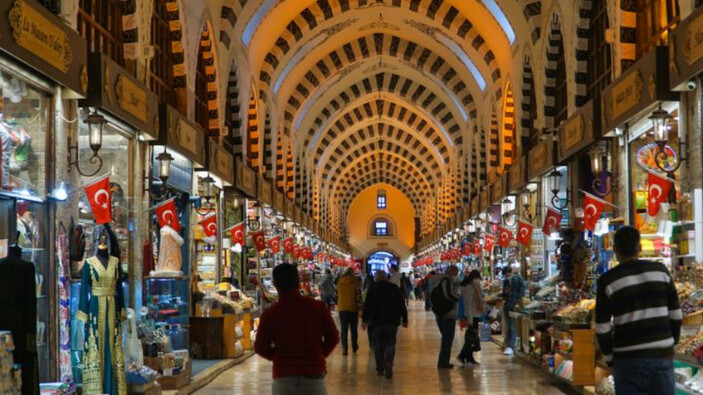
(638, 89)
(474, 207)
(686, 51)
(540, 159)
(278, 201)
(183, 136)
(265, 191)
(221, 163)
(498, 190)
(244, 178)
(485, 199)
(35, 36)
(289, 209)
(516, 176)
(578, 132)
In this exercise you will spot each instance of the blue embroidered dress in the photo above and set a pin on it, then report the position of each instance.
(102, 308)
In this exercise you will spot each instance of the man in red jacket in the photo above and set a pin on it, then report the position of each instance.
(297, 334)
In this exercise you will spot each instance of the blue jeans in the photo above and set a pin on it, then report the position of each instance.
(653, 376)
(510, 330)
(298, 386)
(447, 327)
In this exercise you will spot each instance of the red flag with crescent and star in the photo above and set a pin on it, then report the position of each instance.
(296, 251)
(209, 225)
(306, 253)
(504, 237)
(467, 249)
(167, 214)
(259, 240)
(488, 242)
(237, 233)
(274, 244)
(524, 233)
(477, 247)
(288, 245)
(592, 207)
(98, 194)
(551, 221)
(658, 192)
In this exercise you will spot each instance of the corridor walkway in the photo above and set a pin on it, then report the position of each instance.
(414, 373)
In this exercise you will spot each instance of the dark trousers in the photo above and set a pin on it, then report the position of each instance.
(349, 320)
(471, 331)
(384, 337)
(369, 330)
(447, 327)
(636, 376)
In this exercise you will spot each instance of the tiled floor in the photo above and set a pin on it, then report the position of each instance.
(414, 372)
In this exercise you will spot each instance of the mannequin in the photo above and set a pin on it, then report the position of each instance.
(101, 307)
(18, 314)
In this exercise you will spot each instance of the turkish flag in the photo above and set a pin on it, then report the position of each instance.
(167, 214)
(477, 247)
(467, 249)
(209, 225)
(296, 251)
(488, 243)
(237, 233)
(288, 245)
(98, 194)
(306, 253)
(504, 237)
(274, 244)
(551, 221)
(259, 240)
(524, 233)
(592, 207)
(658, 192)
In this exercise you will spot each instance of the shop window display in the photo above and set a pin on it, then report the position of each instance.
(24, 134)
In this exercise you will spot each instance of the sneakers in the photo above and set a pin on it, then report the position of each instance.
(508, 351)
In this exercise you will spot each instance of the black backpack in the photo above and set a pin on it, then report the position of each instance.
(441, 305)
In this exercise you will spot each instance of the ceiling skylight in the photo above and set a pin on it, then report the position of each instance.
(498, 14)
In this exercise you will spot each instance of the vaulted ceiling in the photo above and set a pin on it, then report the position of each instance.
(379, 91)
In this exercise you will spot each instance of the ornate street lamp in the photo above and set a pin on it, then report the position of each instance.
(95, 123)
(206, 204)
(555, 180)
(661, 123)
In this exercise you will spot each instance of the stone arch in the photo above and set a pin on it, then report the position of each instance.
(207, 60)
(232, 113)
(508, 150)
(392, 227)
(280, 166)
(555, 47)
(529, 103)
(228, 19)
(253, 135)
(268, 160)
(494, 144)
(532, 9)
(290, 172)
(177, 48)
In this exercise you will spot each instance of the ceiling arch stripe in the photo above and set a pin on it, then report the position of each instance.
(392, 108)
(388, 112)
(360, 181)
(401, 86)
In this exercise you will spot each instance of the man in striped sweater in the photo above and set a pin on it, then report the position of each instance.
(638, 320)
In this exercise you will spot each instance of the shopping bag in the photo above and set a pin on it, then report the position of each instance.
(131, 344)
(461, 314)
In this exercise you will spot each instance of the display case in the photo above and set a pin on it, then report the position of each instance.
(167, 303)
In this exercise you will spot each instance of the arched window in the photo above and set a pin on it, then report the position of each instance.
(100, 23)
(655, 21)
(381, 226)
(381, 202)
(561, 98)
(600, 63)
(161, 66)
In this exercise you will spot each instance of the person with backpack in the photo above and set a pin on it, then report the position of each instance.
(515, 288)
(444, 297)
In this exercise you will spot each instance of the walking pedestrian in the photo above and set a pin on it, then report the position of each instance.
(638, 320)
(349, 295)
(513, 294)
(405, 287)
(445, 298)
(470, 291)
(426, 285)
(385, 309)
(395, 276)
(297, 333)
(370, 284)
(327, 289)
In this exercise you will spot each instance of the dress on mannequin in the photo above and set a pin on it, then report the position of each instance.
(18, 314)
(101, 307)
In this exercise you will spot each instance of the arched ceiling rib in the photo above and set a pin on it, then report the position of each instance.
(380, 111)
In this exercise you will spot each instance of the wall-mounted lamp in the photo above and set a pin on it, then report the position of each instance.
(526, 198)
(555, 181)
(59, 194)
(164, 160)
(254, 221)
(206, 204)
(601, 178)
(95, 123)
(661, 122)
(507, 208)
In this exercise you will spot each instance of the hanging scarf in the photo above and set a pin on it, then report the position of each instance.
(478, 298)
(63, 268)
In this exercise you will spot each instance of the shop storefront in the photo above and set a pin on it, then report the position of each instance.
(33, 76)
